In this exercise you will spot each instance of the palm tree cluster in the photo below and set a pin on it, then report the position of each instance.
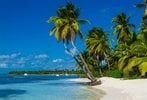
(129, 55)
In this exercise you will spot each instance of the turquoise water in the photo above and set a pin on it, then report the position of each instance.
(43, 87)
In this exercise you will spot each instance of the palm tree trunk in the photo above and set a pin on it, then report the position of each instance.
(89, 74)
(100, 70)
(107, 60)
(71, 54)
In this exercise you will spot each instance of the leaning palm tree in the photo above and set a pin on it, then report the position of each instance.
(67, 27)
(122, 28)
(98, 45)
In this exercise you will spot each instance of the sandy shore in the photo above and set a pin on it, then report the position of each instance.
(118, 89)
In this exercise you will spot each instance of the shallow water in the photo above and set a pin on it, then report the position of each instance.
(43, 87)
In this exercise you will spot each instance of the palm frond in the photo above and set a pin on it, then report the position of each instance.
(58, 34)
(80, 34)
(52, 19)
(139, 5)
(131, 25)
(84, 21)
(122, 62)
(52, 31)
(143, 68)
(133, 62)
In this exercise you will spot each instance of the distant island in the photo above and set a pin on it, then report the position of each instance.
(79, 72)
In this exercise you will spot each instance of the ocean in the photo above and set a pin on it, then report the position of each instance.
(43, 87)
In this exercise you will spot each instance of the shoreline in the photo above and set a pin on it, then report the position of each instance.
(119, 89)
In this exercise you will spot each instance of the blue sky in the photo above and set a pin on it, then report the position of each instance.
(24, 39)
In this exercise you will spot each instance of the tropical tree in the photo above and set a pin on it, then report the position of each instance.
(122, 28)
(67, 27)
(132, 58)
(98, 46)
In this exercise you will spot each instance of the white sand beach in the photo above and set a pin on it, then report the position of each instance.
(119, 89)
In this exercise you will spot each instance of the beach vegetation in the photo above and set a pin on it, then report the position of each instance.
(128, 58)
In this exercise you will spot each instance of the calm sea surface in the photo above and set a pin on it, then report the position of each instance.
(43, 87)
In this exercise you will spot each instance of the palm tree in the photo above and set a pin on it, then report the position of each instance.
(122, 28)
(98, 45)
(67, 27)
(129, 58)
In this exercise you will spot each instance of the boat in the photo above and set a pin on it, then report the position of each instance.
(57, 74)
(25, 74)
(66, 74)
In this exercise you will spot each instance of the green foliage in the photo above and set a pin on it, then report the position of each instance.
(122, 62)
(98, 45)
(67, 23)
(96, 42)
(114, 73)
(122, 28)
(128, 59)
(133, 62)
(96, 74)
(90, 60)
(135, 56)
(143, 68)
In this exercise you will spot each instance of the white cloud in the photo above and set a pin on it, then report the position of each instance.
(11, 56)
(66, 52)
(17, 60)
(41, 56)
(73, 51)
(22, 60)
(58, 60)
(16, 65)
(68, 63)
(37, 63)
(3, 65)
(14, 55)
